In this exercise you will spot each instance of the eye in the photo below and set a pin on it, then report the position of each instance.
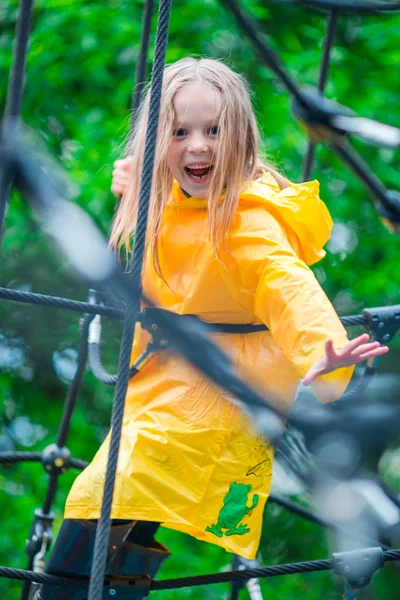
(214, 130)
(179, 133)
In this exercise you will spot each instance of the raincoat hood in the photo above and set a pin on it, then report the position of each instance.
(297, 208)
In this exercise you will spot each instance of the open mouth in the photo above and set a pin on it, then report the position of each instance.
(198, 173)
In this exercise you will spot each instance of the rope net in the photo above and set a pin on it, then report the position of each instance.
(186, 334)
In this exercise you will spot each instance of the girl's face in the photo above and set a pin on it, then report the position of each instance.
(192, 152)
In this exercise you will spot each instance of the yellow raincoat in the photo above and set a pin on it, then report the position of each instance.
(189, 457)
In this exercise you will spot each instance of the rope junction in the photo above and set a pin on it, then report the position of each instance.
(325, 121)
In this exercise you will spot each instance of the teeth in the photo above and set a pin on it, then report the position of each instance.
(197, 166)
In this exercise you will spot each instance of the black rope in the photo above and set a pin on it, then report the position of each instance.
(63, 431)
(107, 311)
(240, 575)
(328, 43)
(103, 529)
(35, 577)
(353, 320)
(69, 406)
(15, 91)
(272, 59)
(51, 492)
(323, 75)
(296, 509)
(391, 555)
(262, 572)
(358, 6)
(17, 457)
(197, 580)
(17, 74)
(73, 389)
(234, 593)
(27, 584)
(57, 302)
(301, 511)
(142, 60)
(319, 114)
(360, 168)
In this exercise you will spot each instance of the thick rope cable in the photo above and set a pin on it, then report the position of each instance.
(63, 429)
(26, 588)
(106, 311)
(50, 493)
(360, 168)
(315, 110)
(359, 6)
(142, 60)
(15, 91)
(9, 458)
(57, 302)
(332, 21)
(197, 580)
(303, 512)
(261, 572)
(35, 577)
(72, 394)
(269, 56)
(17, 74)
(104, 525)
(69, 406)
(242, 575)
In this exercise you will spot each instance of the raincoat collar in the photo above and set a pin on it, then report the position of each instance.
(180, 198)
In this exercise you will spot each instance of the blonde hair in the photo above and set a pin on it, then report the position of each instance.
(232, 172)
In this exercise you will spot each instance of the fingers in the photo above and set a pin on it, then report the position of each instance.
(352, 353)
(117, 190)
(373, 352)
(361, 339)
(330, 351)
(363, 351)
(123, 164)
(309, 377)
(120, 176)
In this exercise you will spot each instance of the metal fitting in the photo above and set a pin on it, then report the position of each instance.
(56, 460)
(358, 566)
(40, 536)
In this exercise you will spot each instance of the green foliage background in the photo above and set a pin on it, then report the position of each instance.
(79, 78)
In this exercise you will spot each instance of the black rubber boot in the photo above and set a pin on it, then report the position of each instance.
(73, 554)
(139, 560)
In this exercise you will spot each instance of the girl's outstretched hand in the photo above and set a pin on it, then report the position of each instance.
(352, 353)
(120, 176)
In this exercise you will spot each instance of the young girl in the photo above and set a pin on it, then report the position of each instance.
(229, 240)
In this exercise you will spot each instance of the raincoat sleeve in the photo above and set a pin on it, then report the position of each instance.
(282, 291)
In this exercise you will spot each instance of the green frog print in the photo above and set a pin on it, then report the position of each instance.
(233, 511)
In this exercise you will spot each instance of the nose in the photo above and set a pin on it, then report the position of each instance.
(197, 144)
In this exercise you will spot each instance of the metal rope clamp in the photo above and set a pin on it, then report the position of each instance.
(383, 321)
(357, 566)
(56, 460)
(127, 588)
(40, 538)
(159, 339)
